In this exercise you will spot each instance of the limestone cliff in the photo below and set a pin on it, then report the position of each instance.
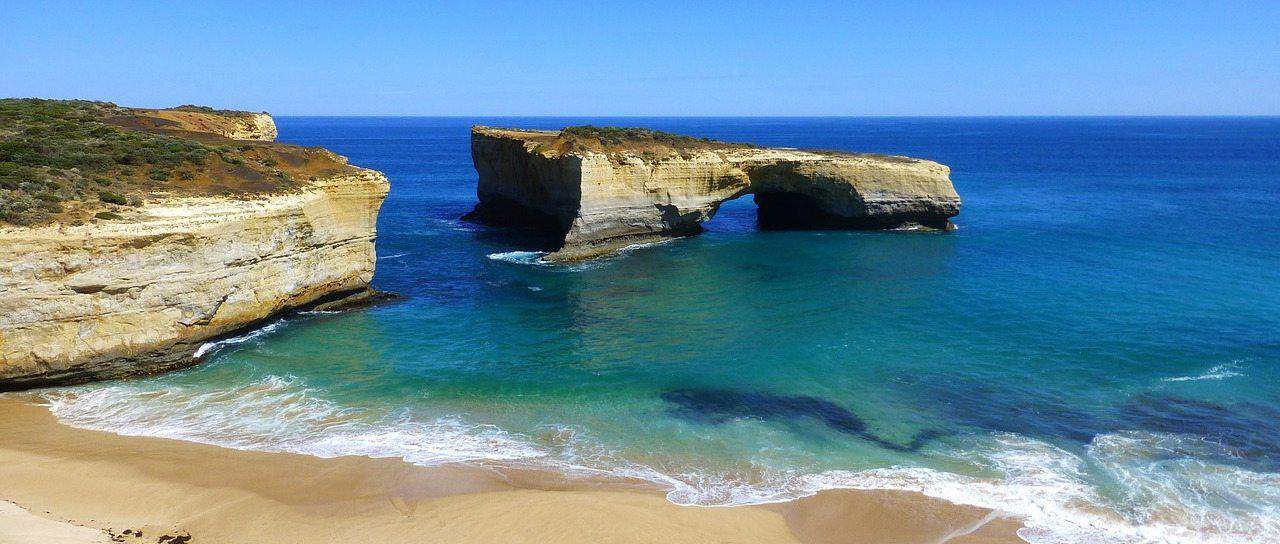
(141, 294)
(137, 289)
(597, 190)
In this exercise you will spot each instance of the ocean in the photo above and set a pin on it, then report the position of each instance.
(1097, 348)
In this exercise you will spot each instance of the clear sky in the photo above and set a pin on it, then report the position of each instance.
(652, 58)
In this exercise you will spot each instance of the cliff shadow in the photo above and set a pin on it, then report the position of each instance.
(514, 223)
(781, 210)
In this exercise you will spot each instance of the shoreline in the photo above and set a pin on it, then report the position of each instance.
(85, 484)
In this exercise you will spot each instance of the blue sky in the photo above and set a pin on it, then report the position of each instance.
(652, 58)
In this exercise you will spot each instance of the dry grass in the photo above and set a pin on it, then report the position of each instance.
(69, 160)
(648, 144)
(644, 142)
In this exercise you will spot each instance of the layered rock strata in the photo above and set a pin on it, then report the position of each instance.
(140, 295)
(594, 198)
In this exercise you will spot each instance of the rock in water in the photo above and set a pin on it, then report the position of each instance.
(599, 189)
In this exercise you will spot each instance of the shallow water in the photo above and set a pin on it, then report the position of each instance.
(1097, 347)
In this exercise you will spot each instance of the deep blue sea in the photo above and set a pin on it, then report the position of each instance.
(1096, 348)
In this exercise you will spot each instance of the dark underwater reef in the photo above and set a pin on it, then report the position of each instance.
(717, 406)
(1248, 434)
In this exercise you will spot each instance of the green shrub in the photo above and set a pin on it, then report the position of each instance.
(20, 209)
(54, 151)
(207, 109)
(112, 198)
(620, 135)
(108, 215)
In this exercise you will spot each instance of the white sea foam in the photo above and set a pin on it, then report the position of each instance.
(1051, 490)
(281, 414)
(518, 257)
(535, 257)
(452, 224)
(1220, 372)
(632, 247)
(607, 260)
(210, 347)
(395, 256)
(912, 227)
(1158, 497)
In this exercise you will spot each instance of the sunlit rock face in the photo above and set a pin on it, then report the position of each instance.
(141, 294)
(595, 199)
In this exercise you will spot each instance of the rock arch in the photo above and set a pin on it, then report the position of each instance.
(595, 201)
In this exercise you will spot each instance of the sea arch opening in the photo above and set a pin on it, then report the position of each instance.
(785, 198)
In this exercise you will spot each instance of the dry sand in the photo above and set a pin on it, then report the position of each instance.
(79, 486)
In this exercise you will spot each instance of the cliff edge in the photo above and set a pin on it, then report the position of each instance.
(599, 189)
(231, 124)
(125, 244)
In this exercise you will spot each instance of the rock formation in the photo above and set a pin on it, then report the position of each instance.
(139, 293)
(596, 190)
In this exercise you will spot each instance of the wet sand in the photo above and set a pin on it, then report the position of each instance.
(79, 486)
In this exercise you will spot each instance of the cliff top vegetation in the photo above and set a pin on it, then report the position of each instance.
(648, 144)
(611, 139)
(207, 109)
(76, 160)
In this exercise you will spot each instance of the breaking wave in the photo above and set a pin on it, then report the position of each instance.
(1220, 372)
(518, 257)
(1160, 498)
(535, 257)
(212, 347)
(280, 414)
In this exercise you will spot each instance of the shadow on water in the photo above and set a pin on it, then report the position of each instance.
(718, 406)
(1247, 432)
(524, 239)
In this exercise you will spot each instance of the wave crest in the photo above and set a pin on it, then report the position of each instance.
(211, 347)
(518, 257)
(1164, 491)
(1220, 372)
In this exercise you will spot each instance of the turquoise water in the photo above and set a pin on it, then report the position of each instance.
(1097, 347)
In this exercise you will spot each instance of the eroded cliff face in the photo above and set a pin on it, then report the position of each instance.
(258, 126)
(140, 294)
(599, 200)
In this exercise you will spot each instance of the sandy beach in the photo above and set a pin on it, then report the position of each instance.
(67, 485)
